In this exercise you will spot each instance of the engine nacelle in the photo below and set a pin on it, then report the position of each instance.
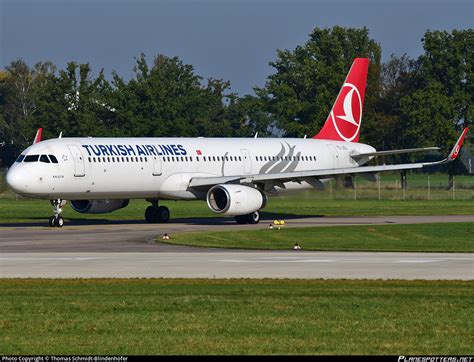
(235, 199)
(97, 206)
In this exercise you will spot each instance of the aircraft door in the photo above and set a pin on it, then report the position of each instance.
(157, 166)
(247, 161)
(79, 169)
(335, 155)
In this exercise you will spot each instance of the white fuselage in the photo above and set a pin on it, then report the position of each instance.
(161, 168)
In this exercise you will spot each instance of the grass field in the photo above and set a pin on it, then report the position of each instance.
(441, 237)
(76, 317)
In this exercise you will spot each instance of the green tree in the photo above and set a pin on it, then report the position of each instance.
(21, 89)
(169, 99)
(443, 105)
(300, 93)
(400, 76)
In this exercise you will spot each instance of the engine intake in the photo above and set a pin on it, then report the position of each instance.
(98, 206)
(235, 199)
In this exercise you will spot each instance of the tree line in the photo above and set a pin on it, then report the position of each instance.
(409, 102)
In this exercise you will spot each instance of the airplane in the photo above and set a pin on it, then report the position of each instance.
(234, 175)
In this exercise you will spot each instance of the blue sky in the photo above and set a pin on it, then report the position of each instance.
(229, 39)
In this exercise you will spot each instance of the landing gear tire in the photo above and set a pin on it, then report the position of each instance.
(155, 215)
(56, 221)
(150, 214)
(163, 214)
(253, 218)
(59, 222)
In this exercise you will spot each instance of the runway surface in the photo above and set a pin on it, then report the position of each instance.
(128, 250)
(138, 237)
(305, 265)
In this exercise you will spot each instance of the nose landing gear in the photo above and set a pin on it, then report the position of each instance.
(57, 220)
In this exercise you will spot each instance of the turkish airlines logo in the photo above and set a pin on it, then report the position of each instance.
(456, 152)
(347, 115)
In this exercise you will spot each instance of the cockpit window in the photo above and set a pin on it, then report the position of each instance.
(20, 158)
(44, 158)
(53, 158)
(31, 158)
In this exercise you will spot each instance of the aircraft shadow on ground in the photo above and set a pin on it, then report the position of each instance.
(265, 217)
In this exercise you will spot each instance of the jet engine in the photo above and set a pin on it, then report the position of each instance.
(235, 199)
(97, 206)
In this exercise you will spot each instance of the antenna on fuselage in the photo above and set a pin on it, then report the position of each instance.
(256, 135)
(60, 134)
(304, 136)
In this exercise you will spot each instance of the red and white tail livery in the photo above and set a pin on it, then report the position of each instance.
(345, 118)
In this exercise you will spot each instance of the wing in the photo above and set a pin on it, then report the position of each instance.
(313, 177)
(393, 152)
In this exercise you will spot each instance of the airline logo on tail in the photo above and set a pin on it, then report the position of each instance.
(345, 118)
(348, 116)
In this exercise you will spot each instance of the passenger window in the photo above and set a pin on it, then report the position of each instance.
(20, 158)
(31, 158)
(44, 158)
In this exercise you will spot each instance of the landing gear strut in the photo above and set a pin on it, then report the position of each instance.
(156, 214)
(57, 220)
(252, 218)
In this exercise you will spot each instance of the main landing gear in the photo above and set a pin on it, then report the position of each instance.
(57, 220)
(252, 218)
(156, 214)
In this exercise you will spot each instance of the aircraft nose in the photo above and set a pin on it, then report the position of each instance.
(16, 180)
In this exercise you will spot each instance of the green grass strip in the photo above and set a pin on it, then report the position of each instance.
(440, 237)
(75, 317)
